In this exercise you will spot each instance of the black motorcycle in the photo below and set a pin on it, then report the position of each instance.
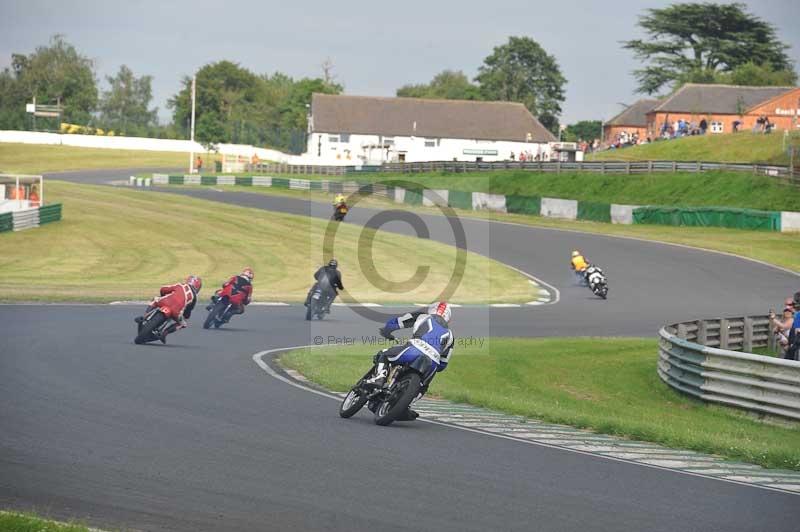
(597, 281)
(390, 402)
(339, 212)
(218, 312)
(151, 325)
(320, 297)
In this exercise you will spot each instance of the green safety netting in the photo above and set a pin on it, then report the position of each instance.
(459, 199)
(709, 217)
(598, 212)
(524, 204)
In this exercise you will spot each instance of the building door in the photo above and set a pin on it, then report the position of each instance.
(401, 157)
(478, 159)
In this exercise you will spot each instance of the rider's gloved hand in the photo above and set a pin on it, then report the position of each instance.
(386, 334)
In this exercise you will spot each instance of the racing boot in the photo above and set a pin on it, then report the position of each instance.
(408, 415)
(379, 379)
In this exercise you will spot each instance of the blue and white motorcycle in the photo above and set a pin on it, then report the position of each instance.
(407, 379)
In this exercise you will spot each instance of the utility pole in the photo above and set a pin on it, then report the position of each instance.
(191, 152)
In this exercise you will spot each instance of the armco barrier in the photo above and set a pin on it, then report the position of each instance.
(699, 358)
(26, 219)
(6, 222)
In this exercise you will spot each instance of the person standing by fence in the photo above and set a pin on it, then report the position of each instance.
(198, 164)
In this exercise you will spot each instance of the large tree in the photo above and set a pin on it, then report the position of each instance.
(587, 130)
(235, 105)
(124, 108)
(694, 41)
(448, 84)
(55, 73)
(522, 71)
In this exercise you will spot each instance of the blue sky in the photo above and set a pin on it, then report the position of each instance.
(375, 47)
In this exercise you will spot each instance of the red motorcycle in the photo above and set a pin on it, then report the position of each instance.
(158, 317)
(221, 303)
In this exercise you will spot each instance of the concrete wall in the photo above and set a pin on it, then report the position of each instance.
(560, 208)
(432, 197)
(622, 214)
(137, 143)
(790, 222)
(489, 202)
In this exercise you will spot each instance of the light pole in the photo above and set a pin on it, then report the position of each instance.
(191, 138)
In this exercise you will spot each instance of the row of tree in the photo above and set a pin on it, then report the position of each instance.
(233, 104)
(685, 43)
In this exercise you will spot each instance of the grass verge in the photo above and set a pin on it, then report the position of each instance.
(120, 243)
(23, 522)
(38, 158)
(743, 147)
(780, 249)
(709, 189)
(609, 385)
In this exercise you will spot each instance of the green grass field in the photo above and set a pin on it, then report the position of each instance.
(38, 159)
(24, 522)
(119, 243)
(609, 385)
(743, 147)
(781, 249)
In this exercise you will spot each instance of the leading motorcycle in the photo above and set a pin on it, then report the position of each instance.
(340, 211)
(596, 280)
(219, 311)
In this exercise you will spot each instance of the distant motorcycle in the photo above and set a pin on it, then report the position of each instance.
(596, 280)
(404, 383)
(340, 211)
(318, 304)
(220, 307)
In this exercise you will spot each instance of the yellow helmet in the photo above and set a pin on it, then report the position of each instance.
(576, 253)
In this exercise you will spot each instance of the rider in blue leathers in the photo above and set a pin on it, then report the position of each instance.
(430, 336)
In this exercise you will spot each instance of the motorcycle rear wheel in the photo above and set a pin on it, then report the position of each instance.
(146, 333)
(405, 390)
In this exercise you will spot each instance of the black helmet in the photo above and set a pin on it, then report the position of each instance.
(333, 263)
(797, 300)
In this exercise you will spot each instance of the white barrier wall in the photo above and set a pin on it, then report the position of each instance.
(399, 195)
(490, 202)
(622, 214)
(790, 222)
(432, 197)
(559, 208)
(137, 143)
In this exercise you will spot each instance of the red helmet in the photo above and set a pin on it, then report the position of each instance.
(248, 273)
(441, 309)
(195, 282)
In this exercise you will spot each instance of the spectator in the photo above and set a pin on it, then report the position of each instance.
(33, 197)
(703, 126)
(512, 157)
(198, 164)
(522, 156)
(780, 328)
(736, 124)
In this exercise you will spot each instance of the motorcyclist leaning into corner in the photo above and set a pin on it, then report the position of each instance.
(430, 330)
(181, 299)
(578, 263)
(241, 290)
(339, 199)
(334, 277)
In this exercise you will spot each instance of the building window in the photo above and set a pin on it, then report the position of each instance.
(333, 138)
(344, 137)
(388, 141)
(431, 143)
(716, 127)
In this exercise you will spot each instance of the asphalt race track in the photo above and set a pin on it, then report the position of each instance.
(195, 436)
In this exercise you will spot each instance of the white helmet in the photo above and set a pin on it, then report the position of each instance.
(440, 309)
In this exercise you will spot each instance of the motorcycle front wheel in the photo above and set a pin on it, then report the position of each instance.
(146, 333)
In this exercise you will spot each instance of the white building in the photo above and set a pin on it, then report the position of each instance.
(357, 130)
